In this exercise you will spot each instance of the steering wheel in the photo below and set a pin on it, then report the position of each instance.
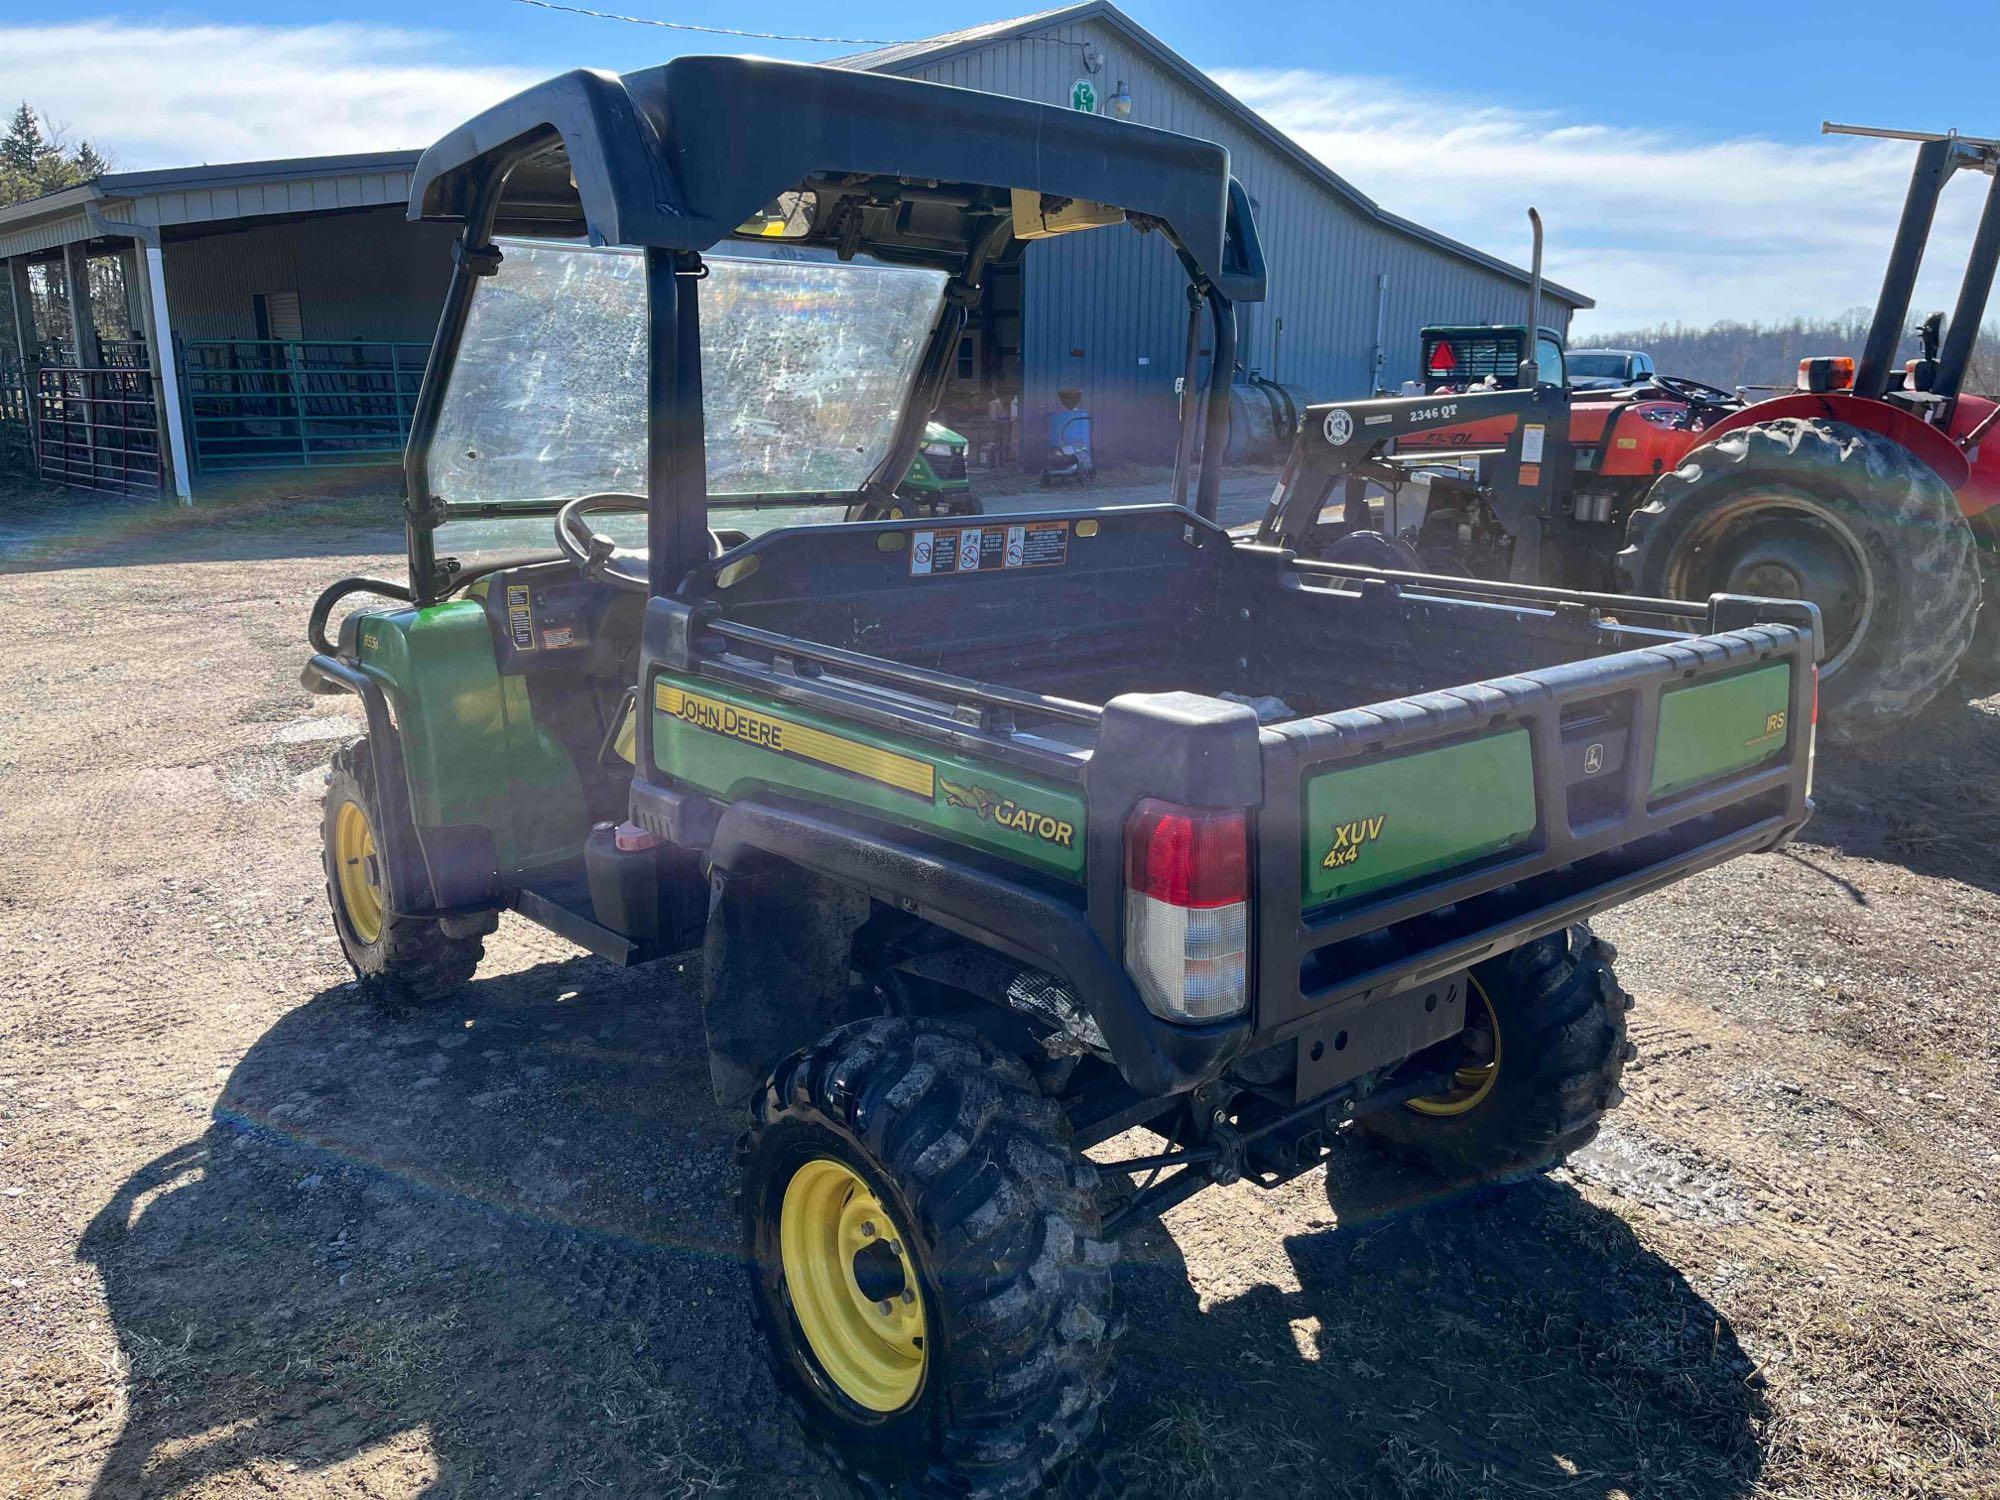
(597, 555)
(1695, 392)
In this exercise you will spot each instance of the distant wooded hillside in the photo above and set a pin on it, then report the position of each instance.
(1733, 354)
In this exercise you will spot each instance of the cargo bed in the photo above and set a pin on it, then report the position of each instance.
(1446, 767)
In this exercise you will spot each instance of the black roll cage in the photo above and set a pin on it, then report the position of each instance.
(602, 132)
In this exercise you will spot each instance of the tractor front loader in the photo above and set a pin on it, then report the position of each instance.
(1866, 490)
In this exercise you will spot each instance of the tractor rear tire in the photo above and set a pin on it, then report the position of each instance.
(397, 960)
(924, 1262)
(1556, 1015)
(1979, 669)
(1890, 558)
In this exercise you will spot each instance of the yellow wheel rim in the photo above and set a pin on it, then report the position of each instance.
(853, 1284)
(1470, 1086)
(360, 871)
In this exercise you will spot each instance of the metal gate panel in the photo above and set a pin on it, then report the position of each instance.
(17, 448)
(97, 428)
(280, 404)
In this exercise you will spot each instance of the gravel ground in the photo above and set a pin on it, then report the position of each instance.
(257, 1237)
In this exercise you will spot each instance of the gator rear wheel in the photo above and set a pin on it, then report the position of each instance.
(1545, 1048)
(923, 1258)
(1829, 512)
(397, 959)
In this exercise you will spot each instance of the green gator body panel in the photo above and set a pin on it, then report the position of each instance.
(1709, 729)
(922, 478)
(729, 744)
(1378, 823)
(470, 746)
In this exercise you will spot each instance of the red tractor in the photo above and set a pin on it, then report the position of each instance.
(1866, 490)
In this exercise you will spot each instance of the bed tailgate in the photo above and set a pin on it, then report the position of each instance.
(1405, 840)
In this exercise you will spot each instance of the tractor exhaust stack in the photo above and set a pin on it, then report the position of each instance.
(1531, 368)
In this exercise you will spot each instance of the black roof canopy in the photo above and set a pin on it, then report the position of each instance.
(680, 155)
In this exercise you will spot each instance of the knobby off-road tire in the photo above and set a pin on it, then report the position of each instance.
(996, 1220)
(1561, 1051)
(398, 960)
(1890, 505)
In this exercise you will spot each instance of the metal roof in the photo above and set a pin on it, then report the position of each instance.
(885, 58)
(140, 203)
(241, 173)
(946, 44)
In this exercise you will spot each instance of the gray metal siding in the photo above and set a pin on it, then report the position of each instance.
(1116, 296)
(250, 199)
(370, 275)
(49, 234)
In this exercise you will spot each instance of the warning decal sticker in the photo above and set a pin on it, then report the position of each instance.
(520, 617)
(988, 549)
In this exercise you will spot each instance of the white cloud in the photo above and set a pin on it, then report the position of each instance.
(165, 95)
(1658, 227)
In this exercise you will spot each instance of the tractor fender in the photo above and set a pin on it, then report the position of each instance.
(1892, 422)
(1982, 492)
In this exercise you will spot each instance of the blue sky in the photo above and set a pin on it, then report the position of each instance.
(1674, 153)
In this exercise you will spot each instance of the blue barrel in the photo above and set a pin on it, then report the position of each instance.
(1069, 429)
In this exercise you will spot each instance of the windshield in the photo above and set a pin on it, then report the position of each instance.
(1598, 366)
(806, 364)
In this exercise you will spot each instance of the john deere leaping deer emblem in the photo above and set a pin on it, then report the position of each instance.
(991, 807)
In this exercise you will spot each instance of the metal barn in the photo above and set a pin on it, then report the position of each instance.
(294, 298)
(162, 328)
(1350, 284)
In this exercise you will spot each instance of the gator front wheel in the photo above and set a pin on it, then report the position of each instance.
(398, 959)
(923, 1258)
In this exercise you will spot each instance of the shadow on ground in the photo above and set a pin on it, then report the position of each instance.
(488, 1249)
(291, 513)
(1920, 797)
(1506, 1342)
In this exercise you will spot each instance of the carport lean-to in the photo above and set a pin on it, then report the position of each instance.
(157, 326)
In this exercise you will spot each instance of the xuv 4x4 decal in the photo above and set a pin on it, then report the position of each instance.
(1349, 839)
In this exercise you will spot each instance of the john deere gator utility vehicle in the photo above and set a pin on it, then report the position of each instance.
(1872, 490)
(1002, 836)
(937, 482)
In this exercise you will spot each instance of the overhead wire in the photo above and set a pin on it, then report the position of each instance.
(757, 36)
(777, 36)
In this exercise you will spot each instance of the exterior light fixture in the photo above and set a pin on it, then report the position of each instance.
(1121, 101)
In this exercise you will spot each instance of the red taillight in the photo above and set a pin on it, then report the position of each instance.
(1185, 856)
(1187, 910)
(1815, 717)
(1444, 359)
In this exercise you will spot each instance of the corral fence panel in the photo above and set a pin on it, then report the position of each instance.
(97, 428)
(281, 404)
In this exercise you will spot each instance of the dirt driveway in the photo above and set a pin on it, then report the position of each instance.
(256, 1238)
